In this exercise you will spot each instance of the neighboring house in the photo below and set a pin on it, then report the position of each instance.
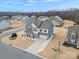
(56, 20)
(17, 17)
(39, 29)
(5, 17)
(43, 18)
(34, 17)
(25, 18)
(4, 25)
(73, 36)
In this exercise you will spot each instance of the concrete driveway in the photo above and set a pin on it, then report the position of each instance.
(38, 46)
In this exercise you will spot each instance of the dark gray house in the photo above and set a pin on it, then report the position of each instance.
(56, 20)
(73, 36)
(39, 29)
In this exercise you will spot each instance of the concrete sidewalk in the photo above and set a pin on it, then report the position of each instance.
(38, 46)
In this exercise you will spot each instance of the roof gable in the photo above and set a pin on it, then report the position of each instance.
(39, 24)
(33, 25)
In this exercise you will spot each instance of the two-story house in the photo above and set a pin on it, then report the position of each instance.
(39, 29)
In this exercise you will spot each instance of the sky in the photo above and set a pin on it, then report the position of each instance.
(36, 5)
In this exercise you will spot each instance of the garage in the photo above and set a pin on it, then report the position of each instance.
(43, 36)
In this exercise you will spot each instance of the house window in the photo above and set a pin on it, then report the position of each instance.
(40, 30)
(34, 30)
(73, 35)
(45, 30)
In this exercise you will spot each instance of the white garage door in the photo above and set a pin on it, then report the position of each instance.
(43, 36)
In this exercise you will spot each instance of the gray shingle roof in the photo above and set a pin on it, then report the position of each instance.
(29, 22)
(45, 24)
(38, 23)
(57, 20)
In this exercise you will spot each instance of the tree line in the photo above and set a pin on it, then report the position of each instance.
(69, 14)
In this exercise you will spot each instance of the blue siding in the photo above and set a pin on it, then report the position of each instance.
(50, 30)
